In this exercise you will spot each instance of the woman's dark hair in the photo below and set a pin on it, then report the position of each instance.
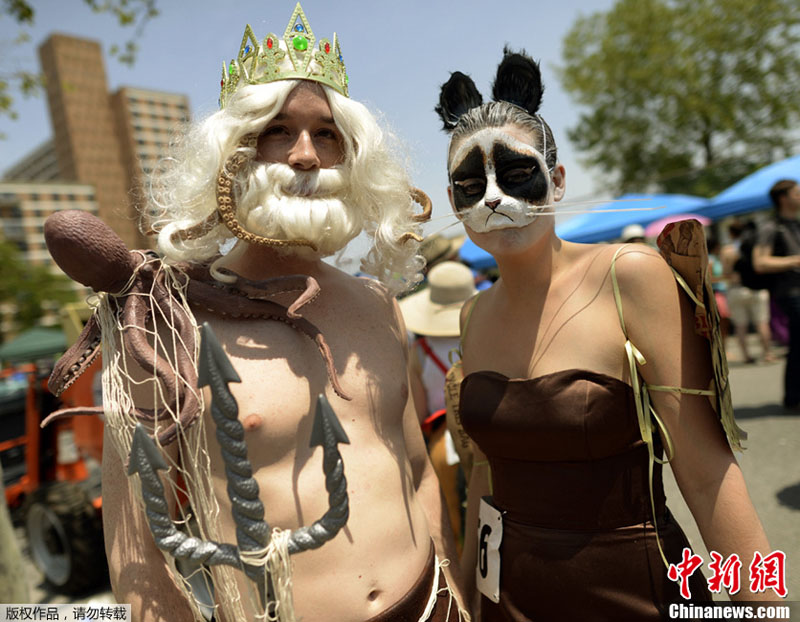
(517, 94)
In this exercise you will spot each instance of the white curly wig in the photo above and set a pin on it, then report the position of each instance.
(183, 188)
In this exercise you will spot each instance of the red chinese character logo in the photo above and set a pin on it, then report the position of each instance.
(768, 573)
(725, 574)
(682, 571)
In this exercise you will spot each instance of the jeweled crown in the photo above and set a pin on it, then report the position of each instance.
(295, 56)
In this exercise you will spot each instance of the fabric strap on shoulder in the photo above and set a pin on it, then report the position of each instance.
(645, 413)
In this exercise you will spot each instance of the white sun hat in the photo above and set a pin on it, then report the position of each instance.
(434, 311)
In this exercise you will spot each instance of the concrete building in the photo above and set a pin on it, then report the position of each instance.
(109, 141)
(24, 206)
(103, 147)
(145, 124)
(41, 164)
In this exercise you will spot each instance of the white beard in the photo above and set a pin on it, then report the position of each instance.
(286, 204)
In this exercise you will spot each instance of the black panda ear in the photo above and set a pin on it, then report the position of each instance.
(518, 81)
(459, 95)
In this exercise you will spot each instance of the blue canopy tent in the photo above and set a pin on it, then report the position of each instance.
(602, 226)
(475, 257)
(751, 193)
(599, 226)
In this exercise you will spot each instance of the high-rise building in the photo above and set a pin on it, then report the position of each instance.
(103, 147)
(24, 206)
(41, 164)
(146, 122)
(101, 139)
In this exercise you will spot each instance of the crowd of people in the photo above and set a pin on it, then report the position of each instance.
(755, 278)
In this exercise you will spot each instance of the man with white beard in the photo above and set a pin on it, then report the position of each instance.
(288, 172)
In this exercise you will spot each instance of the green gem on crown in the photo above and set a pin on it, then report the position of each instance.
(300, 43)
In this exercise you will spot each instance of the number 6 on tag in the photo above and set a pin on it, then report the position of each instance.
(490, 535)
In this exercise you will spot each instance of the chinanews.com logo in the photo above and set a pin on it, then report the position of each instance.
(766, 572)
(728, 611)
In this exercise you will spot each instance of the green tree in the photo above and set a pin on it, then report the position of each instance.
(30, 289)
(684, 95)
(27, 82)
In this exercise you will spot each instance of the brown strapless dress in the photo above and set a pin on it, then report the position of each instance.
(570, 474)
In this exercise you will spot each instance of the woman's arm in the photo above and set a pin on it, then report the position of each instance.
(660, 322)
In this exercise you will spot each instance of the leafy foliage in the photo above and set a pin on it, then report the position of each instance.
(13, 81)
(684, 95)
(30, 289)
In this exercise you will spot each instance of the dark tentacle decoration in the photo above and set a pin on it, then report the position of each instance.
(77, 359)
(92, 254)
(207, 297)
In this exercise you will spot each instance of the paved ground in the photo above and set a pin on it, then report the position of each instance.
(771, 465)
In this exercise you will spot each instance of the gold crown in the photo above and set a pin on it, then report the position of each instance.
(260, 63)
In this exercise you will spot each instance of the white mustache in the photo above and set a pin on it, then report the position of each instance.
(284, 180)
(281, 202)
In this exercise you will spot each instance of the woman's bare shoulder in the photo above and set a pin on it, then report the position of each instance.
(641, 270)
(650, 295)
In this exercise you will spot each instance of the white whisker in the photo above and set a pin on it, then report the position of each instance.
(596, 211)
(559, 208)
(600, 201)
(449, 214)
(442, 230)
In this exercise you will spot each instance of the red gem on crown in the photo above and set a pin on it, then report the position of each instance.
(327, 48)
(269, 43)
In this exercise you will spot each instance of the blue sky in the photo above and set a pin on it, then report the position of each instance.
(397, 56)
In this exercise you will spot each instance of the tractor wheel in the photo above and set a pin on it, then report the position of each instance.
(65, 535)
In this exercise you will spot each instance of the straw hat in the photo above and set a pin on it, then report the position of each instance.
(434, 311)
(437, 248)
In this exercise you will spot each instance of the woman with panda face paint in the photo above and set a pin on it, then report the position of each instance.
(577, 526)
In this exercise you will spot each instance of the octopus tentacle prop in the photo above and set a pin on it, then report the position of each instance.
(89, 252)
(252, 530)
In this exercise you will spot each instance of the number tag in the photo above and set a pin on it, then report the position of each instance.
(490, 535)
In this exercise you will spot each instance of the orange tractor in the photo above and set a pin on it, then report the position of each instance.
(52, 475)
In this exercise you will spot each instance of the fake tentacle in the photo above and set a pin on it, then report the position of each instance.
(76, 359)
(211, 299)
(260, 290)
(136, 316)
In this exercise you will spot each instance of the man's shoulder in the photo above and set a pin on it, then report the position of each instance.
(366, 292)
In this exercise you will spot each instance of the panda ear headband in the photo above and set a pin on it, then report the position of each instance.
(518, 82)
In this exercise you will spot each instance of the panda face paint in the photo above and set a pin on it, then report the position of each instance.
(498, 181)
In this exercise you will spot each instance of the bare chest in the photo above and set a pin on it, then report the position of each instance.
(282, 372)
(574, 328)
